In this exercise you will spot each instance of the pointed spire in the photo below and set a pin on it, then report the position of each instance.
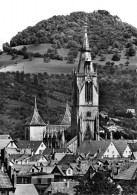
(36, 119)
(67, 116)
(86, 42)
(63, 139)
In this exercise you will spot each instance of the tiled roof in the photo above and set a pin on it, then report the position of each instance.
(93, 146)
(120, 145)
(133, 146)
(13, 157)
(71, 141)
(128, 174)
(68, 158)
(24, 144)
(35, 157)
(49, 151)
(22, 169)
(25, 189)
(63, 188)
(4, 143)
(36, 119)
(5, 180)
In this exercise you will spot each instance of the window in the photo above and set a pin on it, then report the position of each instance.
(11, 144)
(69, 171)
(39, 180)
(112, 152)
(107, 150)
(42, 145)
(32, 170)
(88, 92)
(88, 114)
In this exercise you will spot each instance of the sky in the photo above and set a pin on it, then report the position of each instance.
(16, 15)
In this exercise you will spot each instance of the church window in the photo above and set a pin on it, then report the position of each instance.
(88, 114)
(88, 92)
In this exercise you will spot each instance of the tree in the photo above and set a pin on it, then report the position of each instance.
(35, 79)
(99, 183)
(116, 57)
(130, 51)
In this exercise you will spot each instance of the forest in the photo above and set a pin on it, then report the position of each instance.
(117, 93)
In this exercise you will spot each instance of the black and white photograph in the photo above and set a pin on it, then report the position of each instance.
(68, 97)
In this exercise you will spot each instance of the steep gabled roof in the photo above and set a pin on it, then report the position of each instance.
(120, 145)
(66, 120)
(36, 119)
(23, 168)
(128, 174)
(68, 158)
(4, 143)
(25, 189)
(5, 180)
(133, 146)
(24, 144)
(92, 147)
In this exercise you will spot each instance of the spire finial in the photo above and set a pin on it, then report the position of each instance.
(86, 43)
(35, 103)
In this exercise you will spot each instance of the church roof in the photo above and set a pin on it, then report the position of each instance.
(67, 116)
(36, 119)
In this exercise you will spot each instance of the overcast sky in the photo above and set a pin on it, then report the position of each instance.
(16, 15)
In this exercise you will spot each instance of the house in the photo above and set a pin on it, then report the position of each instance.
(123, 148)
(103, 114)
(56, 153)
(26, 189)
(99, 149)
(37, 159)
(128, 174)
(36, 146)
(7, 183)
(24, 172)
(129, 110)
(70, 158)
(62, 187)
(41, 181)
(6, 142)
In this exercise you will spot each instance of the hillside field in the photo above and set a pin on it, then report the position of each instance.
(54, 66)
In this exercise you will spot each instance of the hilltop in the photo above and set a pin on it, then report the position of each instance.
(104, 30)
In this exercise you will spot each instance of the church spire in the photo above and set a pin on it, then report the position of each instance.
(67, 116)
(86, 42)
(63, 139)
(36, 119)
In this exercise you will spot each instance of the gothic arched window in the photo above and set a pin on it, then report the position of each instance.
(88, 92)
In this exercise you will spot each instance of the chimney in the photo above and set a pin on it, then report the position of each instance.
(32, 152)
(14, 180)
(106, 136)
(111, 135)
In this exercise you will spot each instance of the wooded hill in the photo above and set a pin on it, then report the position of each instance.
(104, 30)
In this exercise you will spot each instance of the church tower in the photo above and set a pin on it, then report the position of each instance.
(35, 130)
(85, 95)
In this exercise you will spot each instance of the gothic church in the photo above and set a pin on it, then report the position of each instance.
(84, 116)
